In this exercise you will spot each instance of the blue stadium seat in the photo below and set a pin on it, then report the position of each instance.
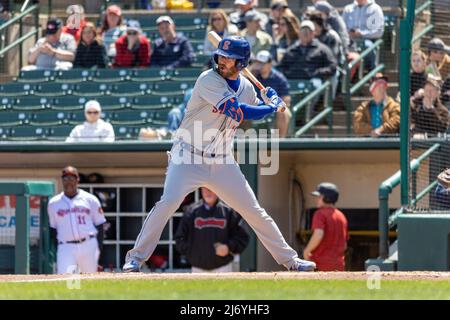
(130, 89)
(68, 103)
(35, 76)
(92, 89)
(150, 74)
(151, 102)
(59, 132)
(30, 103)
(111, 75)
(127, 132)
(186, 74)
(49, 118)
(159, 117)
(73, 75)
(51, 89)
(200, 60)
(171, 87)
(130, 118)
(26, 133)
(109, 103)
(16, 89)
(6, 102)
(13, 118)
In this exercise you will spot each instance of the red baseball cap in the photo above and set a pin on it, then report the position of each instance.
(115, 10)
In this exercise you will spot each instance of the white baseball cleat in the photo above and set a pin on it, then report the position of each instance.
(303, 265)
(131, 266)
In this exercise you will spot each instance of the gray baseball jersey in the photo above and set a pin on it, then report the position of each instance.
(211, 91)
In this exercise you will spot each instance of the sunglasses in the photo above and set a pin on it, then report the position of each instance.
(216, 19)
(69, 178)
(132, 33)
(92, 112)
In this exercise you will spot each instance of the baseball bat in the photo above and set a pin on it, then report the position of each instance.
(214, 38)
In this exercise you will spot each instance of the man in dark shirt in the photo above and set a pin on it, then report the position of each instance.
(171, 50)
(262, 68)
(308, 58)
(210, 234)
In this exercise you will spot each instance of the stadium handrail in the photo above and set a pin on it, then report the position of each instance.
(387, 221)
(324, 87)
(349, 89)
(22, 38)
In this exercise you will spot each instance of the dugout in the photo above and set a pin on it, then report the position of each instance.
(135, 170)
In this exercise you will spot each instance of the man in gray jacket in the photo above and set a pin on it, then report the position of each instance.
(365, 22)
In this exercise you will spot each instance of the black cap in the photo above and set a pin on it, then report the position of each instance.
(328, 190)
(53, 25)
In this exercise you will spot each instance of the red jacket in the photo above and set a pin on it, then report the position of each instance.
(126, 58)
(76, 32)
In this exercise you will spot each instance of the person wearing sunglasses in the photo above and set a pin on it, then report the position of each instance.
(93, 129)
(218, 21)
(133, 48)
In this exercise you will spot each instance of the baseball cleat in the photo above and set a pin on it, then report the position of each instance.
(131, 266)
(303, 265)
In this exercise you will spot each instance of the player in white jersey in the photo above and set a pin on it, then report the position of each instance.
(221, 100)
(78, 219)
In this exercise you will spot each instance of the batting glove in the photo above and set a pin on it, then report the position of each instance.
(270, 96)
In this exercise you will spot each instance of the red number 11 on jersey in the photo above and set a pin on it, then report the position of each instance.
(81, 220)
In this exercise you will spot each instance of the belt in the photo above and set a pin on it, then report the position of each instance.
(201, 153)
(77, 241)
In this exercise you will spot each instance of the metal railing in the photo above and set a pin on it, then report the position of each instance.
(426, 5)
(349, 89)
(306, 102)
(387, 221)
(22, 38)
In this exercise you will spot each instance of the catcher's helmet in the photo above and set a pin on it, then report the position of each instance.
(234, 47)
(328, 190)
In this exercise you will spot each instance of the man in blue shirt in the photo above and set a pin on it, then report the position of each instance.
(171, 50)
(262, 68)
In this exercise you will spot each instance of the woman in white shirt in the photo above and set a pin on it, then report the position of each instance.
(93, 129)
(218, 22)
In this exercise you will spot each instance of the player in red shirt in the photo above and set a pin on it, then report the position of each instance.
(330, 231)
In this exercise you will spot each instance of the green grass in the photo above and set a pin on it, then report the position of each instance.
(227, 289)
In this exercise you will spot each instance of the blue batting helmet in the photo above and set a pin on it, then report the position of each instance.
(234, 47)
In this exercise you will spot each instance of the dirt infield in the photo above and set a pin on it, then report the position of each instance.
(440, 276)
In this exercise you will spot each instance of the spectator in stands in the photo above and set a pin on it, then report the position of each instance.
(176, 115)
(365, 23)
(331, 39)
(132, 49)
(94, 129)
(262, 68)
(332, 17)
(75, 21)
(289, 33)
(90, 52)
(418, 74)
(218, 22)
(438, 59)
(258, 39)
(309, 58)
(5, 15)
(210, 234)
(245, 6)
(330, 231)
(429, 116)
(278, 8)
(380, 115)
(442, 191)
(112, 29)
(171, 50)
(445, 93)
(55, 51)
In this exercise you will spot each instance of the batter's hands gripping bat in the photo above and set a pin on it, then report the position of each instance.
(214, 38)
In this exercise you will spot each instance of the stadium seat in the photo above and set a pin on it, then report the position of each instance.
(30, 103)
(171, 87)
(4, 133)
(130, 118)
(200, 60)
(130, 89)
(91, 89)
(26, 133)
(68, 103)
(190, 22)
(59, 132)
(34, 76)
(151, 102)
(110, 75)
(193, 35)
(186, 74)
(159, 117)
(73, 76)
(127, 132)
(49, 118)
(151, 74)
(109, 103)
(299, 87)
(150, 33)
(13, 118)
(6, 102)
(51, 89)
(16, 89)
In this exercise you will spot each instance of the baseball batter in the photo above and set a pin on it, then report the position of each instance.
(77, 217)
(201, 155)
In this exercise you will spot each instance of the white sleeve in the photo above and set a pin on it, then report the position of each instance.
(111, 136)
(51, 216)
(73, 135)
(212, 90)
(98, 217)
